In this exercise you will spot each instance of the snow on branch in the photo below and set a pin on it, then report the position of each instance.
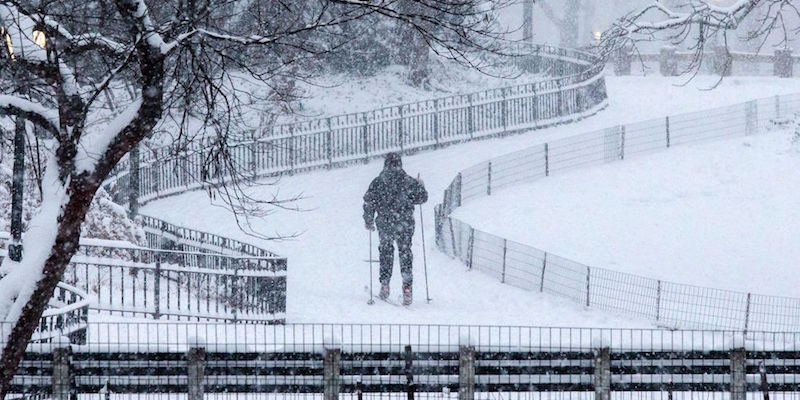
(45, 117)
(95, 145)
(658, 17)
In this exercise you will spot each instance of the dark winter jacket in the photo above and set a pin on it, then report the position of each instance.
(392, 195)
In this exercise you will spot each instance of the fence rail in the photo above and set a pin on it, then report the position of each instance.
(669, 304)
(716, 59)
(422, 361)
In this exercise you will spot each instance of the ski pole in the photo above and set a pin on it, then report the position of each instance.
(370, 302)
(424, 257)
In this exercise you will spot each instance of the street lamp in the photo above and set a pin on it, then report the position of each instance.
(17, 186)
(7, 39)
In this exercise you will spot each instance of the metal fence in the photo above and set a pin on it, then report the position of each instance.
(576, 91)
(669, 304)
(180, 284)
(409, 361)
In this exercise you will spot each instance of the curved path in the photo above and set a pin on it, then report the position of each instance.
(327, 276)
(191, 274)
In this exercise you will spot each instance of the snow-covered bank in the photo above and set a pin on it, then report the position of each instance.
(720, 215)
(327, 274)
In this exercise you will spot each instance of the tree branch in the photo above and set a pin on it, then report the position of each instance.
(44, 117)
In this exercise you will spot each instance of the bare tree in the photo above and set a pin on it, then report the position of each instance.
(700, 24)
(179, 60)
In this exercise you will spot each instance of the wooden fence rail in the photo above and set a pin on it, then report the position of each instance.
(62, 372)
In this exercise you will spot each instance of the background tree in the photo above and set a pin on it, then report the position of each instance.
(113, 71)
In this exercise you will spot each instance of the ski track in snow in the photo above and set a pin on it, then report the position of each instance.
(328, 275)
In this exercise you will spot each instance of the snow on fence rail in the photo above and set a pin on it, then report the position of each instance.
(577, 91)
(717, 60)
(429, 361)
(669, 304)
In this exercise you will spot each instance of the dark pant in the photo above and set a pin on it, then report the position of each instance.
(386, 249)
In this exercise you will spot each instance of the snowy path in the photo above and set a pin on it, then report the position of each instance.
(327, 274)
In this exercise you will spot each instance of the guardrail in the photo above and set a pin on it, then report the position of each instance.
(669, 304)
(412, 361)
(67, 315)
(181, 284)
(716, 59)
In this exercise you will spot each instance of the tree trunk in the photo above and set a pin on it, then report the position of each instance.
(571, 24)
(65, 245)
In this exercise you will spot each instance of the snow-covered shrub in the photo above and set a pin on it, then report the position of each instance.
(104, 220)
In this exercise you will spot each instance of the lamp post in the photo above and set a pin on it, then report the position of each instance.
(18, 177)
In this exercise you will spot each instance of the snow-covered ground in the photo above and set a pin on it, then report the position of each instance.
(722, 214)
(327, 275)
(389, 87)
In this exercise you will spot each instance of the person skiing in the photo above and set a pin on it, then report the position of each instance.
(392, 196)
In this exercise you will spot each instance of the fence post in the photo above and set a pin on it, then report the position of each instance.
(762, 370)
(777, 106)
(470, 122)
(751, 118)
(588, 280)
(292, 149)
(61, 379)
(466, 373)
(622, 61)
(133, 181)
(723, 61)
(546, 159)
(235, 290)
(505, 251)
(544, 267)
(253, 161)
(157, 287)
(622, 142)
(195, 371)
(400, 127)
(331, 365)
(458, 190)
(783, 63)
(155, 174)
(410, 386)
(453, 238)
(668, 62)
(602, 374)
(365, 137)
(658, 301)
(329, 139)
(738, 374)
(436, 123)
(667, 125)
(489, 179)
(504, 110)
(747, 314)
(471, 245)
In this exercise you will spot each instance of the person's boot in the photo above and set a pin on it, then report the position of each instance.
(384, 293)
(407, 296)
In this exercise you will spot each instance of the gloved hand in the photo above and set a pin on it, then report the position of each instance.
(370, 226)
(420, 181)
